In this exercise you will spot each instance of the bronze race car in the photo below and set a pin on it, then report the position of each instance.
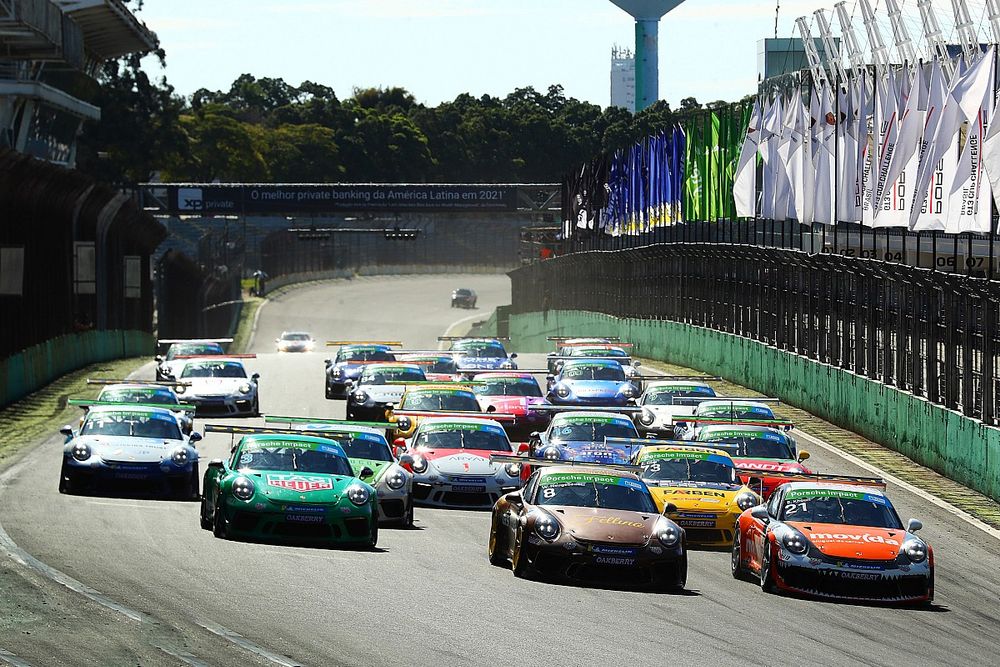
(587, 523)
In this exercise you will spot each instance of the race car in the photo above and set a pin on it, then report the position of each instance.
(587, 524)
(367, 450)
(180, 349)
(159, 394)
(288, 487)
(378, 388)
(421, 401)
(482, 354)
(436, 367)
(662, 401)
(721, 411)
(698, 488)
(591, 382)
(463, 298)
(131, 448)
(581, 436)
(757, 451)
(451, 462)
(347, 365)
(513, 393)
(219, 386)
(295, 341)
(834, 540)
(565, 345)
(606, 352)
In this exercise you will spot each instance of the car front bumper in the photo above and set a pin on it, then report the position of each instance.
(321, 524)
(222, 406)
(472, 492)
(593, 563)
(856, 581)
(152, 478)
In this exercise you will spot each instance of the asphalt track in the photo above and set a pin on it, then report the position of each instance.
(429, 596)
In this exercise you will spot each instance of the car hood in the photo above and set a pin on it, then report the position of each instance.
(442, 377)
(295, 487)
(213, 385)
(593, 388)
(708, 497)
(668, 413)
(601, 525)
(596, 452)
(840, 541)
(350, 370)
(768, 465)
(378, 468)
(127, 448)
(517, 405)
(383, 393)
(488, 363)
(461, 461)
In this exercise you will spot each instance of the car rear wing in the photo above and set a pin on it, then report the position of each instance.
(390, 343)
(495, 416)
(505, 339)
(153, 383)
(621, 409)
(722, 400)
(216, 356)
(171, 341)
(125, 405)
(559, 339)
(665, 376)
(777, 424)
(760, 475)
(608, 344)
(237, 429)
(279, 419)
(436, 383)
(566, 357)
(485, 371)
(539, 461)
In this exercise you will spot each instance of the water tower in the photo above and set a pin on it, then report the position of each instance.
(647, 15)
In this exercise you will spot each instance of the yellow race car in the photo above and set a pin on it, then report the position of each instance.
(700, 489)
(434, 399)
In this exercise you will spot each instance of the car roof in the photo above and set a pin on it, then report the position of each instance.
(508, 375)
(392, 364)
(429, 421)
(722, 401)
(709, 429)
(649, 449)
(659, 384)
(136, 385)
(587, 470)
(291, 437)
(345, 428)
(562, 416)
(212, 360)
(131, 407)
(591, 361)
(833, 486)
(295, 333)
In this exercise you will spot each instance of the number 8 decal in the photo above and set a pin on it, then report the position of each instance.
(548, 493)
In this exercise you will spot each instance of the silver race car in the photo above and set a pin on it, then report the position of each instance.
(219, 386)
(378, 388)
(180, 349)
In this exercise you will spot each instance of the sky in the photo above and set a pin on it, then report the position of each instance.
(438, 49)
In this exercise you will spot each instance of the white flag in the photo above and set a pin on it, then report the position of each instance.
(800, 164)
(895, 171)
(823, 200)
(745, 179)
(846, 184)
(783, 186)
(970, 195)
(929, 205)
(771, 123)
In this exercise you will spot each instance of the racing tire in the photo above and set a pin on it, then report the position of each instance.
(256, 408)
(67, 484)
(766, 575)
(497, 549)
(206, 523)
(373, 542)
(194, 484)
(739, 571)
(676, 585)
(407, 520)
(219, 523)
(518, 562)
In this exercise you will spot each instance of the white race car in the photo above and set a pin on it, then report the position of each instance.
(378, 387)
(219, 386)
(295, 341)
(665, 400)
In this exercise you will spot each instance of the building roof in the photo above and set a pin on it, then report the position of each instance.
(110, 30)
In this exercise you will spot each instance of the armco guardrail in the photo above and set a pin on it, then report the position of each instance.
(903, 356)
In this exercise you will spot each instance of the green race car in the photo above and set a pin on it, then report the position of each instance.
(285, 487)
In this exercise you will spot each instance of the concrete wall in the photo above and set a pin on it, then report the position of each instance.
(943, 440)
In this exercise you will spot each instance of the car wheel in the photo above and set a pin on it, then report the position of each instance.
(219, 522)
(329, 394)
(679, 580)
(206, 523)
(256, 408)
(66, 483)
(737, 567)
(193, 484)
(373, 543)
(407, 520)
(497, 546)
(766, 576)
(518, 561)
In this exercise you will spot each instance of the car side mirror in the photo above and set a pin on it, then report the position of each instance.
(636, 364)
(534, 435)
(523, 448)
(277, 340)
(550, 378)
(158, 358)
(328, 361)
(405, 460)
(491, 408)
(366, 472)
(67, 431)
(195, 437)
(803, 455)
(255, 376)
(400, 443)
(215, 463)
(760, 512)
(669, 508)
(513, 355)
(515, 498)
(913, 525)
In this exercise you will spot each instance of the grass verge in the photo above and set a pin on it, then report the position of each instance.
(241, 339)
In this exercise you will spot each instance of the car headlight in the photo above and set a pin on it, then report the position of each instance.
(358, 494)
(419, 464)
(628, 391)
(81, 451)
(795, 542)
(244, 388)
(546, 526)
(396, 480)
(513, 469)
(915, 550)
(552, 453)
(562, 391)
(646, 418)
(746, 500)
(667, 533)
(180, 389)
(179, 456)
(507, 364)
(360, 396)
(243, 488)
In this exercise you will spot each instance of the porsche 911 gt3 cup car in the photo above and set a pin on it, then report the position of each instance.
(723, 410)
(698, 488)
(421, 401)
(436, 367)
(513, 393)
(135, 448)
(219, 386)
(150, 394)
(289, 487)
(833, 540)
(607, 353)
(565, 345)
(295, 341)
(378, 388)
(757, 451)
(581, 436)
(179, 350)
(463, 298)
(591, 382)
(660, 404)
(451, 462)
(588, 524)
(482, 354)
(347, 365)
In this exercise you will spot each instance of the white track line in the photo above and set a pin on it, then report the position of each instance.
(455, 324)
(253, 327)
(892, 479)
(11, 659)
(245, 643)
(183, 656)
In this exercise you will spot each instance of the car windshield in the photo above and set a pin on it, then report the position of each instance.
(459, 401)
(443, 365)
(287, 457)
(597, 352)
(463, 292)
(362, 445)
(295, 336)
(666, 395)
(489, 439)
(687, 470)
(592, 431)
(134, 424)
(194, 349)
(365, 355)
(214, 369)
(728, 411)
(508, 387)
(599, 491)
(849, 508)
(586, 372)
(387, 375)
(484, 351)
(158, 396)
(752, 447)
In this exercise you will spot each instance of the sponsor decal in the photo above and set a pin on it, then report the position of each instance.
(691, 523)
(584, 419)
(300, 483)
(696, 492)
(743, 433)
(268, 443)
(865, 538)
(448, 426)
(613, 551)
(305, 509)
(757, 465)
(304, 518)
(614, 560)
(614, 521)
(466, 488)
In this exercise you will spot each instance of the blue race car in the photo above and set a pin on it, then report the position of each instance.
(591, 382)
(580, 436)
(349, 362)
(482, 354)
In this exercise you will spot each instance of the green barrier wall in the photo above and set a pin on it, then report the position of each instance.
(35, 367)
(952, 444)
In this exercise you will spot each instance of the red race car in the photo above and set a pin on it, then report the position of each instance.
(515, 393)
(437, 367)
